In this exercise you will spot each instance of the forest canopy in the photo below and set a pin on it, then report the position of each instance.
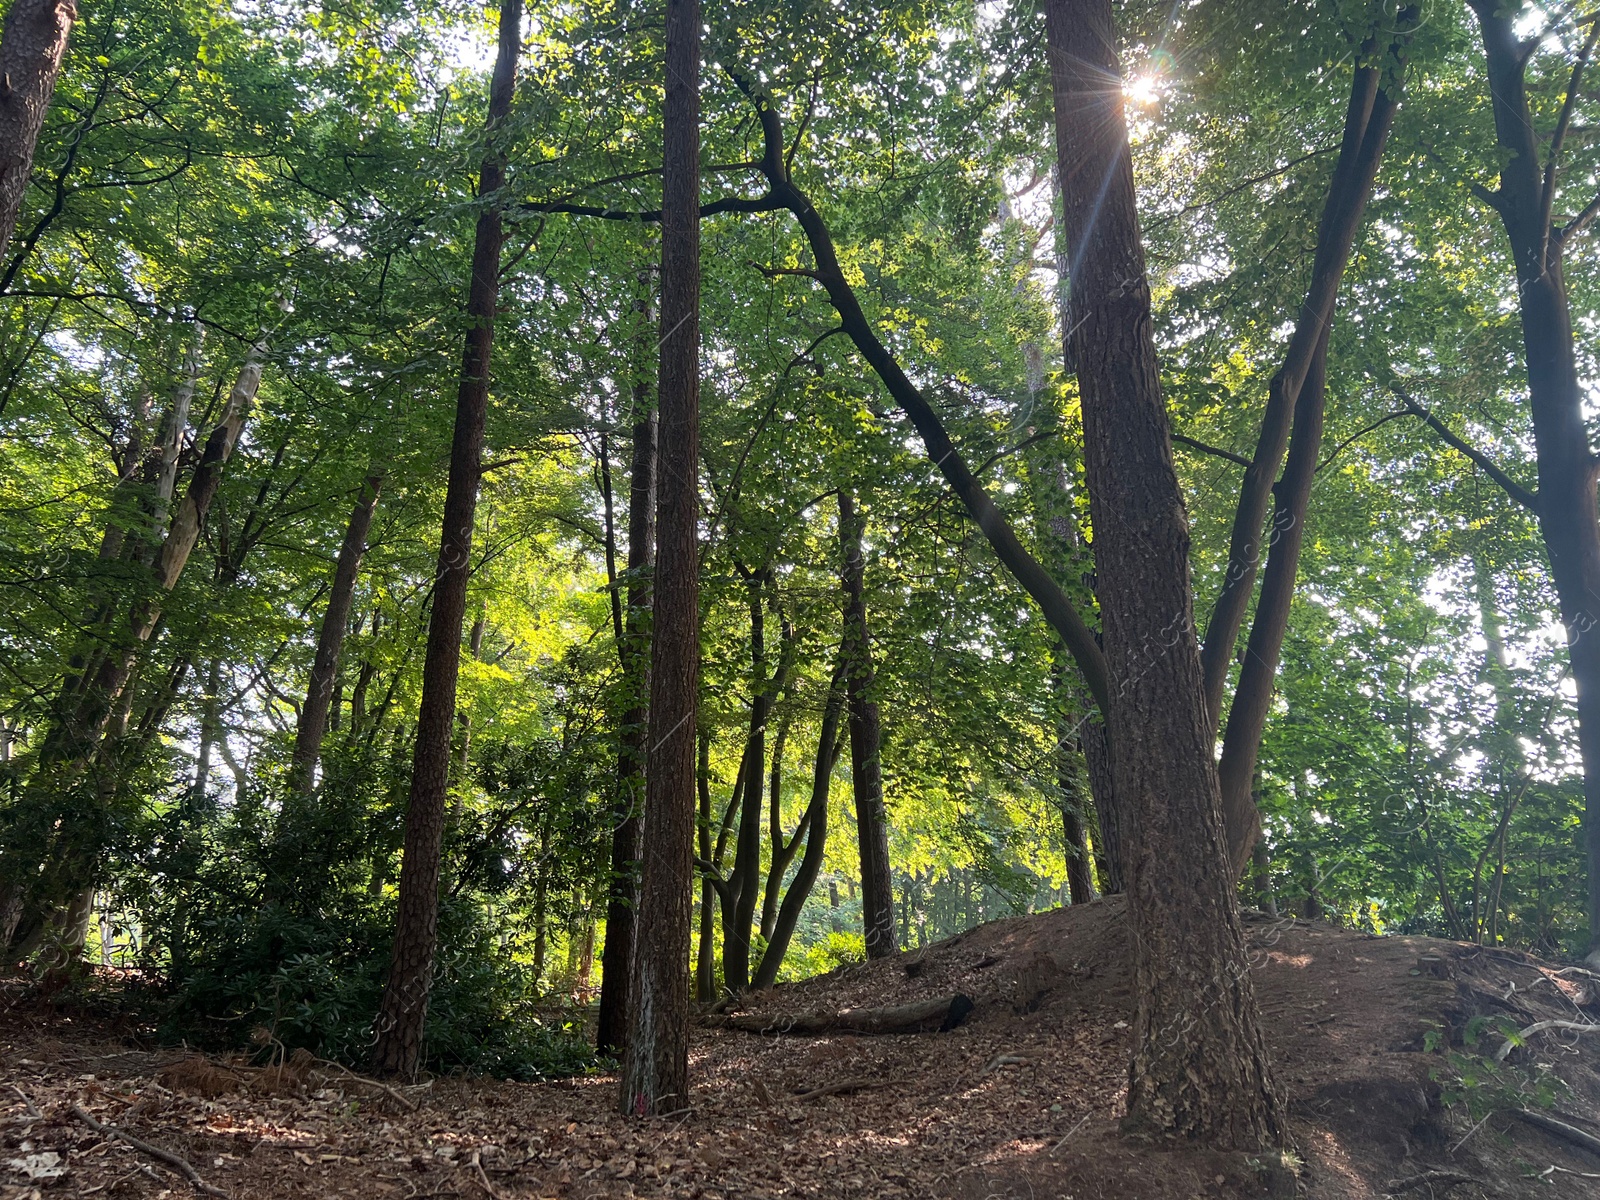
(260, 247)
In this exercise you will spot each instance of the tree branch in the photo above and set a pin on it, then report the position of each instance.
(1548, 197)
(1216, 451)
(1359, 434)
(1487, 465)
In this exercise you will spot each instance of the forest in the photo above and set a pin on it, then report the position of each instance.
(540, 539)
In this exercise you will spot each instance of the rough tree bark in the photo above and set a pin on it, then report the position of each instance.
(1568, 467)
(32, 44)
(313, 723)
(655, 1074)
(1200, 1066)
(866, 738)
(622, 899)
(397, 1046)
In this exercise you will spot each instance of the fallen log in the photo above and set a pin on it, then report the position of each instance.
(925, 1016)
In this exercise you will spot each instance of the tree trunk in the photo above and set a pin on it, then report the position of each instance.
(1111, 820)
(397, 1048)
(622, 897)
(1567, 465)
(706, 955)
(210, 734)
(816, 820)
(745, 879)
(782, 851)
(1213, 1079)
(330, 640)
(1074, 831)
(1294, 411)
(1367, 120)
(32, 44)
(866, 773)
(655, 1075)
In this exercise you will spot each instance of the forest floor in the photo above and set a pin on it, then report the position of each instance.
(1022, 1100)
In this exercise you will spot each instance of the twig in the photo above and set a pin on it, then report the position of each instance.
(1559, 1129)
(1069, 1133)
(476, 1163)
(1552, 1169)
(172, 1160)
(1469, 1133)
(1430, 1180)
(1511, 1043)
(1006, 1060)
(411, 1105)
(33, 1109)
(842, 1086)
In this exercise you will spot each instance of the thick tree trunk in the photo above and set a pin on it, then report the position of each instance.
(1213, 1079)
(622, 897)
(816, 822)
(866, 739)
(32, 44)
(655, 1075)
(1567, 465)
(313, 722)
(397, 1048)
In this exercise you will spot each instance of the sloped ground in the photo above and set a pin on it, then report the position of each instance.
(1020, 1101)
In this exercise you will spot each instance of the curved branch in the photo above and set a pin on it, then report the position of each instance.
(1487, 465)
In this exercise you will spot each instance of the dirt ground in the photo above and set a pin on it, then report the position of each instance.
(1022, 1100)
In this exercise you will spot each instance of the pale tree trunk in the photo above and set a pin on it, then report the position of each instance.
(32, 44)
(313, 723)
(655, 1073)
(634, 649)
(1212, 1080)
(90, 710)
(866, 769)
(397, 1045)
(210, 734)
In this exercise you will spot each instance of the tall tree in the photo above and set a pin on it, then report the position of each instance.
(655, 1073)
(313, 723)
(397, 1047)
(32, 43)
(1566, 500)
(634, 648)
(1213, 1080)
(866, 740)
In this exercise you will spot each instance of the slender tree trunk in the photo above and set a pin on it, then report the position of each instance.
(782, 851)
(655, 1075)
(1568, 466)
(866, 773)
(1370, 110)
(745, 879)
(330, 640)
(210, 734)
(1075, 838)
(32, 44)
(829, 744)
(1294, 417)
(634, 649)
(397, 1048)
(1213, 1080)
(706, 954)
